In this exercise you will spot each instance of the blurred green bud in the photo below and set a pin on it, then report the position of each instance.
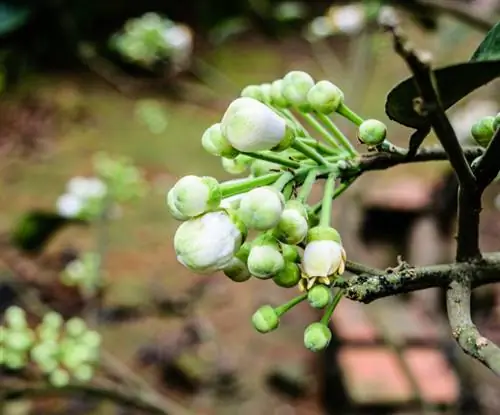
(482, 131)
(277, 97)
(83, 373)
(15, 317)
(75, 355)
(296, 86)
(59, 378)
(52, 320)
(319, 296)
(237, 165)
(14, 360)
(45, 355)
(290, 253)
(75, 327)
(265, 90)
(91, 339)
(214, 142)
(252, 91)
(317, 336)
(372, 132)
(265, 319)
(265, 260)
(325, 97)
(261, 208)
(289, 276)
(19, 340)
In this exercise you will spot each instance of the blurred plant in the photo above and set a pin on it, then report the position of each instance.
(152, 114)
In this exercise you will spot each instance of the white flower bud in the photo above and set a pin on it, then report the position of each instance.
(296, 86)
(69, 205)
(173, 209)
(250, 125)
(277, 97)
(265, 260)
(214, 142)
(208, 243)
(325, 97)
(192, 195)
(252, 91)
(84, 187)
(237, 165)
(293, 226)
(261, 208)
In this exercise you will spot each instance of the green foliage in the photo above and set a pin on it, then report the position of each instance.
(13, 17)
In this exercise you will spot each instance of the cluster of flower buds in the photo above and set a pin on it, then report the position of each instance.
(284, 134)
(88, 198)
(62, 351)
(83, 273)
(151, 39)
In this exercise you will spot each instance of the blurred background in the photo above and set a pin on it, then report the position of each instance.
(143, 80)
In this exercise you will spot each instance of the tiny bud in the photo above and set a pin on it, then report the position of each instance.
(265, 319)
(289, 276)
(296, 86)
(15, 318)
(325, 97)
(482, 131)
(19, 340)
(214, 142)
(293, 226)
(59, 378)
(250, 125)
(252, 91)
(83, 373)
(261, 208)
(265, 260)
(277, 97)
(207, 243)
(290, 253)
(317, 337)
(76, 327)
(192, 195)
(237, 270)
(319, 296)
(265, 90)
(237, 165)
(372, 132)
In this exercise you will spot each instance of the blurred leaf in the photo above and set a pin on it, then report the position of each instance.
(12, 17)
(36, 228)
(453, 82)
(227, 29)
(151, 113)
(290, 10)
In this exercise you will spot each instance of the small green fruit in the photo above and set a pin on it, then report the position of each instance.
(319, 296)
(372, 132)
(289, 276)
(325, 97)
(482, 131)
(317, 337)
(265, 319)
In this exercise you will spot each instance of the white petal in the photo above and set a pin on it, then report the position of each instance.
(321, 258)
(69, 205)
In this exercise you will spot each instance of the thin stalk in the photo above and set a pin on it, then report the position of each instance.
(309, 152)
(282, 309)
(332, 140)
(327, 202)
(331, 307)
(338, 191)
(235, 188)
(338, 134)
(306, 188)
(273, 158)
(294, 119)
(346, 112)
(318, 145)
(285, 178)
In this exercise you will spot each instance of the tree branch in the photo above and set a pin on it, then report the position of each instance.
(464, 330)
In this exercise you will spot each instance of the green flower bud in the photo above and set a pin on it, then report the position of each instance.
(292, 227)
(265, 260)
(289, 276)
(52, 320)
(250, 125)
(325, 97)
(372, 132)
(290, 253)
(14, 360)
(319, 296)
(496, 123)
(277, 97)
(237, 165)
(296, 86)
(317, 337)
(19, 340)
(15, 317)
(75, 355)
(261, 208)
(59, 378)
(237, 270)
(262, 167)
(83, 373)
(91, 339)
(192, 195)
(252, 91)
(265, 319)
(207, 243)
(214, 142)
(265, 90)
(45, 356)
(482, 131)
(323, 233)
(47, 333)
(75, 327)
(312, 218)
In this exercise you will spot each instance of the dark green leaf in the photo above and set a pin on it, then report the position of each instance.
(453, 82)
(12, 17)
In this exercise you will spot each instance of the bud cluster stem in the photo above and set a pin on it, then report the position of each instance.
(327, 202)
(235, 188)
(338, 134)
(282, 309)
(331, 307)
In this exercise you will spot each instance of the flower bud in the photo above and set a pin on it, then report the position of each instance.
(372, 132)
(296, 86)
(15, 318)
(290, 253)
(19, 340)
(265, 319)
(261, 208)
(289, 276)
(262, 167)
(214, 142)
(237, 165)
(193, 195)
(176, 214)
(265, 259)
(75, 327)
(292, 227)
(323, 255)
(482, 131)
(237, 270)
(250, 125)
(325, 97)
(277, 97)
(266, 90)
(496, 123)
(207, 243)
(252, 91)
(83, 373)
(319, 296)
(317, 337)
(59, 378)
(14, 360)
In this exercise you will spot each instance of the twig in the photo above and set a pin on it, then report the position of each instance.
(489, 165)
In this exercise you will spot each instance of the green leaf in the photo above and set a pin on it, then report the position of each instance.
(453, 82)
(12, 17)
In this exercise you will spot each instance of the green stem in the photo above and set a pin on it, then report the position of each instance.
(235, 188)
(327, 202)
(285, 178)
(331, 307)
(288, 191)
(338, 134)
(289, 114)
(319, 146)
(306, 188)
(346, 112)
(322, 130)
(388, 147)
(282, 309)
(273, 158)
(309, 152)
(338, 191)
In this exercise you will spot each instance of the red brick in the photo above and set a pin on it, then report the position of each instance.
(352, 324)
(435, 379)
(374, 376)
